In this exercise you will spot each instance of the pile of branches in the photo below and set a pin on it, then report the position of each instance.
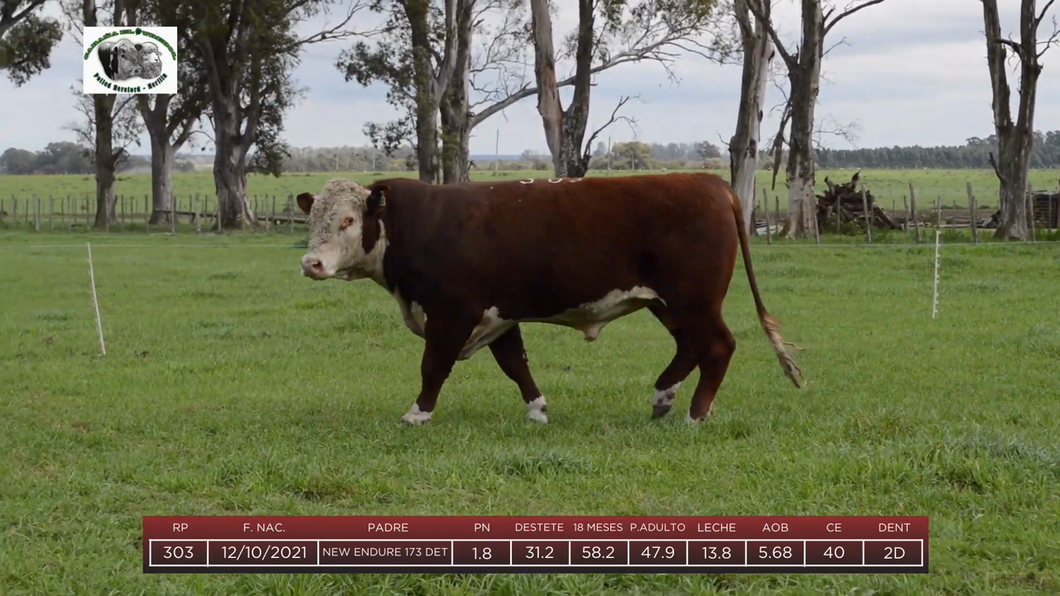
(846, 201)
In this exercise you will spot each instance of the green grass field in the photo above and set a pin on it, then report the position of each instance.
(890, 187)
(232, 385)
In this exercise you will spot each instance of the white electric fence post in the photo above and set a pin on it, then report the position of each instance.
(95, 300)
(935, 290)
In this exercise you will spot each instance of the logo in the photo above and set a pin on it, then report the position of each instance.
(130, 60)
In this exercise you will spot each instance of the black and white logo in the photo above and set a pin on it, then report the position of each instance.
(130, 60)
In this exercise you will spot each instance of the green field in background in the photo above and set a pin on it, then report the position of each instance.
(889, 186)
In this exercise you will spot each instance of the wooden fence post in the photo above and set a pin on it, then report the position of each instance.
(198, 216)
(765, 208)
(974, 210)
(1049, 223)
(36, 213)
(173, 214)
(14, 211)
(1030, 213)
(912, 211)
(290, 213)
(868, 215)
(51, 214)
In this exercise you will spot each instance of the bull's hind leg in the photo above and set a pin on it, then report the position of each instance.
(682, 365)
(714, 345)
(510, 354)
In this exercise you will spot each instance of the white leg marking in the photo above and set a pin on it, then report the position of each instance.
(666, 396)
(709, 413)
(415, 416)
(535, 410)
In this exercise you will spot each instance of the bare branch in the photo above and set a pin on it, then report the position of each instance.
(778, 142)
(1054, 37)
(846, 13)
(337, 32)
(763, 18)
(993, 164)
(1017, 49)
(1038, 21)
(632, 122)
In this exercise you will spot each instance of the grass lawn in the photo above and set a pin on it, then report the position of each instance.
(233, 386)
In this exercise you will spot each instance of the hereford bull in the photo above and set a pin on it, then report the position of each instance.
(467, 263)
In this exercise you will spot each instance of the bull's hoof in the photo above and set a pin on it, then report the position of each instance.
(537, 410)
(660, 410)
(697, 421)
(538, 416)
(415, 417)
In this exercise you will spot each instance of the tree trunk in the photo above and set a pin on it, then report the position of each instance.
(105, 158)
(416, 11)
(564, 129)
(548, 103)
(230, 171)
(805, 84)
(455, 106)
(1015, 155)
(743, 148)
(163, 156)
(1015, 139)
(455, 140)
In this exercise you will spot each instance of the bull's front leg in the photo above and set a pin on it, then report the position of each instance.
(510, 354)
(445, 335)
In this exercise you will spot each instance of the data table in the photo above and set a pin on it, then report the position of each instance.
(562, 544)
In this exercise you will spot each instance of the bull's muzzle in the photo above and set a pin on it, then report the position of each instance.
(313, 268)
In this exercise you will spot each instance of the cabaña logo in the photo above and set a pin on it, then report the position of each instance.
(130, 60)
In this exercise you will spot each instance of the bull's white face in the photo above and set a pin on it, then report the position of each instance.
(150, 61)
(338, 217)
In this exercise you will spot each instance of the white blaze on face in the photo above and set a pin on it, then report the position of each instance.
(336, 227)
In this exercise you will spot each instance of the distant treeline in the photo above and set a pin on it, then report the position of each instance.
(974, 154)
(70, 158)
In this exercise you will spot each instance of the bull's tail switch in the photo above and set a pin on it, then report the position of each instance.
(770, 324)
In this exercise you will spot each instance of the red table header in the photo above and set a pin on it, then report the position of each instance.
(534, 527)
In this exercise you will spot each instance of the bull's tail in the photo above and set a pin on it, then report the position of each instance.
(769, 324)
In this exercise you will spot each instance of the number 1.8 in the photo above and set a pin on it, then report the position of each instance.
(486, 553)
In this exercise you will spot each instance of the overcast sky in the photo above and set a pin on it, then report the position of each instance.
(910, 72)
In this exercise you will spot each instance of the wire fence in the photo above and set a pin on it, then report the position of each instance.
(279, 214)
(185, 214)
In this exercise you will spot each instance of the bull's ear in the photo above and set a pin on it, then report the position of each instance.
(305, 201)
(377, 198)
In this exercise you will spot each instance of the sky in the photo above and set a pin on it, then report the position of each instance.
(909, 72)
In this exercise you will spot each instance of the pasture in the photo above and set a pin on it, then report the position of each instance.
(890, 187)
(232, 385)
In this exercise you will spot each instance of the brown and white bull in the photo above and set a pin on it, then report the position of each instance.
(468, 263)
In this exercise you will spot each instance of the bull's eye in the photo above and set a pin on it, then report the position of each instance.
(346, 222)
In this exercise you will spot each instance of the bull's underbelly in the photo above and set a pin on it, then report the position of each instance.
(589, 318)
